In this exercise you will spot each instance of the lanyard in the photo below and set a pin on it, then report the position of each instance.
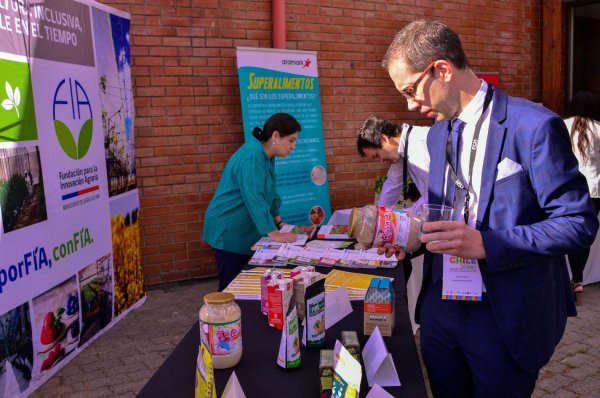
(455, 179)
(405, 165)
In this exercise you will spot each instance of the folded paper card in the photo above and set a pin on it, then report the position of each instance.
(378, 392)
(379, 364)
(337, 306)
(233, 389)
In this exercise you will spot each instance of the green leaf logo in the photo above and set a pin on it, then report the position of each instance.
(13, 100)
(74, 150)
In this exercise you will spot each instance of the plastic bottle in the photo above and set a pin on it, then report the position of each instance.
(377, 225)
(221, 329)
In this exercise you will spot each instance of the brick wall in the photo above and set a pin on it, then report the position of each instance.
(188, 115)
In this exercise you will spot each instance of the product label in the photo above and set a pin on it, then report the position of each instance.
(222, 338)
(289, 346)
(315, 321)
(264, 281)
(205, 380)
(275, 306)
(293, 341)
(393, 226)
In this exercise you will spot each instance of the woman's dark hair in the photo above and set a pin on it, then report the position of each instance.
(282, 122)
(584, 110)
(369, 135)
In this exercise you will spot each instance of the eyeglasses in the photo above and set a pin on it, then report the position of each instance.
(409, 93)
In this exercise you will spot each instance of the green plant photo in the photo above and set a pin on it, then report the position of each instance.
(379, 184)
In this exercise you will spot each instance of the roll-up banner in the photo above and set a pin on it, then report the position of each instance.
(273, 81)
(70, 263)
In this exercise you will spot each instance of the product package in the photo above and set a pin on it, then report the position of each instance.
(301, 268)
(351, 343)
(205, 381)
(379, 307)
(301, 282)
(315, 314)
(289, 346)
(265, 278)
(279, 292)
(378, 225)
(325, 373)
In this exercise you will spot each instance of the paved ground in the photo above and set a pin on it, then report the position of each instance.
(120, 362)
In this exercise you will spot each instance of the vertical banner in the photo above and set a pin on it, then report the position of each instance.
(273, 81)
(70, 262)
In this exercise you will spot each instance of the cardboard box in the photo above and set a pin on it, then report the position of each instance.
(379, 308)
(279, 292)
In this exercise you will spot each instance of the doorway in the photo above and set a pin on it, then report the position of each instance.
(583, 52)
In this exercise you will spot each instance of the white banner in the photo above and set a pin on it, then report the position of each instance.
(70, 263)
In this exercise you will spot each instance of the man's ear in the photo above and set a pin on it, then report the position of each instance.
(384, 139)
(444, 70)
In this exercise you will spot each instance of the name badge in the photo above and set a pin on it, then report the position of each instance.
(461, 280)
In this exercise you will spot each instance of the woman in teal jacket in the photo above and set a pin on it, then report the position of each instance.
(245, 206)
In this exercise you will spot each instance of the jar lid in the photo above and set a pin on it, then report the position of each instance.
(352, 222)
(218, 298)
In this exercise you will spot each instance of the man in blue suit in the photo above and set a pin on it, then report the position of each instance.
(496, 293)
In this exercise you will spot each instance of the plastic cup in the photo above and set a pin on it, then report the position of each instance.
(433, 212)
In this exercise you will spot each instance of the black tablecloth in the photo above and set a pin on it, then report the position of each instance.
(258, 372)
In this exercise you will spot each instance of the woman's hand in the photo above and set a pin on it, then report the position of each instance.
(282, 237)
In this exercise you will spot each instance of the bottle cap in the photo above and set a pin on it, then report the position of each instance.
(218, 298)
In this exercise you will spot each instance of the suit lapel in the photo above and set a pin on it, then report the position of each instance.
(436, 144)
(493, 150)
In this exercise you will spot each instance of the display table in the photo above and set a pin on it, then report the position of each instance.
(258, 372)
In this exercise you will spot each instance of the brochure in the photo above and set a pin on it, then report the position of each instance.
(339, 232)
(281, 254)
(308, 230)
(347, 373)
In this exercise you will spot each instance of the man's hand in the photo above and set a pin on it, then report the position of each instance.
(387, 249)
(454, 238)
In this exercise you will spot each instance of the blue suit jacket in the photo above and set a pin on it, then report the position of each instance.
(528, 222)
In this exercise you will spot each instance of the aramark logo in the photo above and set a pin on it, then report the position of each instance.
(71, 104)
(303, 63)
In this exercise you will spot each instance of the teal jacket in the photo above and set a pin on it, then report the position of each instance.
(245, 202)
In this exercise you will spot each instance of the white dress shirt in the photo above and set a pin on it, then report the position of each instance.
(470, 115)
(590, 168)
(418, 168)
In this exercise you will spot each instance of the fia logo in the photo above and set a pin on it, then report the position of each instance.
(71, 104)
(14, 98)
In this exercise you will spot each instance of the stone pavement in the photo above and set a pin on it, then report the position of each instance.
(120, 362)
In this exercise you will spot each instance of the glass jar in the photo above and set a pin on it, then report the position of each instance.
(377, 225)
(221, 329)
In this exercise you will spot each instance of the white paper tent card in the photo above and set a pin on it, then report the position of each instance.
(378, 392)
(379, 364)
(233, 389)
(337, 306)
